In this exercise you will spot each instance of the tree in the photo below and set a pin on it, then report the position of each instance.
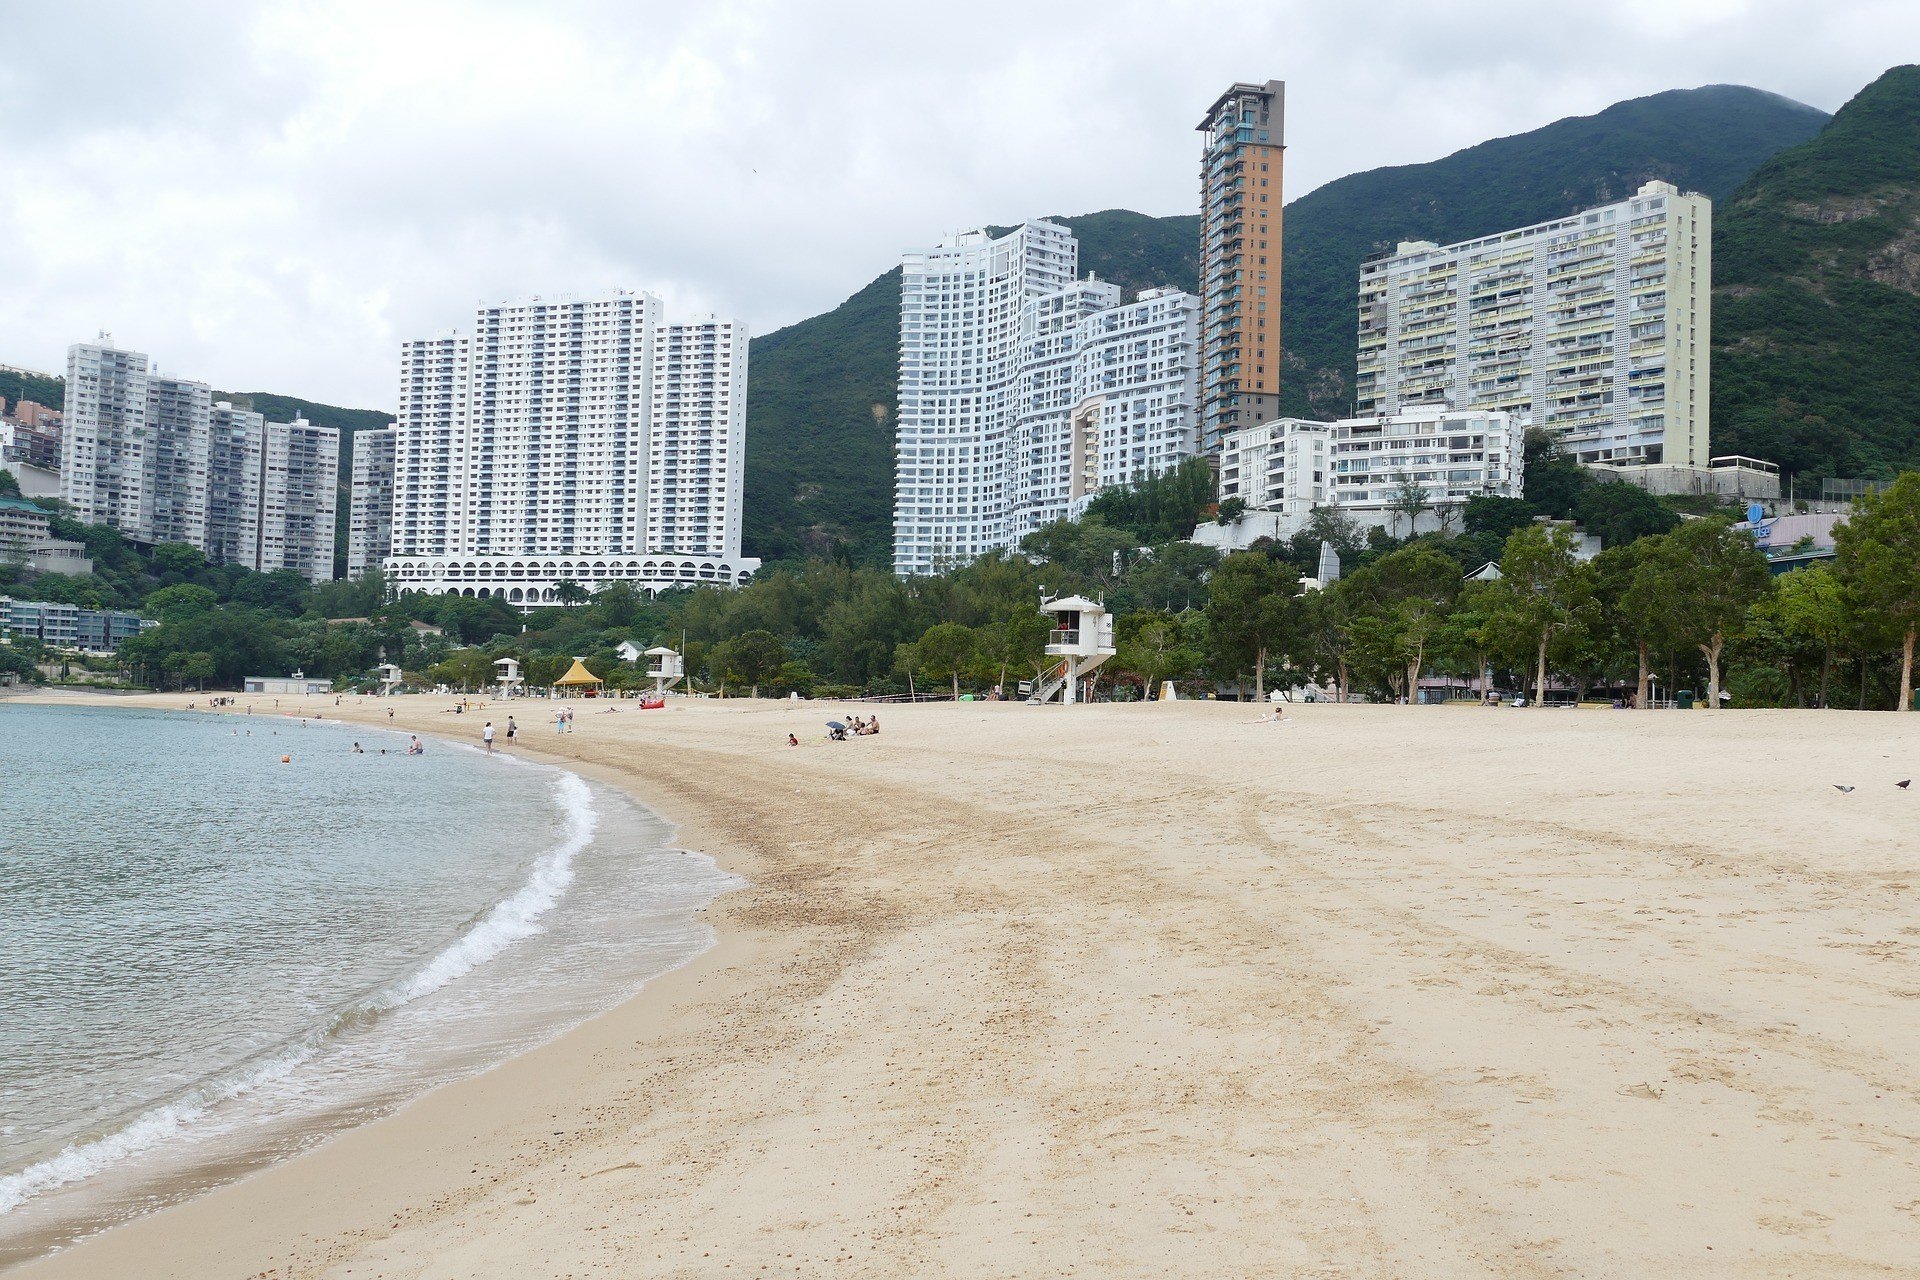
(1017, 640)
(9, 485)
(185, 600)
(1621, 513)
(1230, 510)
(1544, 591)
(1812, 607)
(1631, 586)
(1154, 648)
(1251, 613)
(1713, 576)
(943, 652)
(1498, 516)
(751, 659)
(1553, 482)
(1409, 498)
(1410, 590)
(570, 593)
(1878, 560)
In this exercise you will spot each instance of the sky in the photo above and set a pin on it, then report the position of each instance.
(270, 195)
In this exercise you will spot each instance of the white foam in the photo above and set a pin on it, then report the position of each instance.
(509, 921)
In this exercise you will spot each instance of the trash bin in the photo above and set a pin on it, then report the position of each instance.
(1684, 700)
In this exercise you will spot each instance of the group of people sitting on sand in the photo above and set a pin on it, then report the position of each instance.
(864, 728)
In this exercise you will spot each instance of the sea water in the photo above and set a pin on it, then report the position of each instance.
(225, 936)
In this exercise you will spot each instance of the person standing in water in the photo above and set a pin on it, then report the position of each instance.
(486, 736)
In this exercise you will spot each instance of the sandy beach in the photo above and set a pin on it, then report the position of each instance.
(1162, 990)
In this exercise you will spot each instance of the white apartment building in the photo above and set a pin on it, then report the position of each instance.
(1448, 455)
(1595, 327)
(236, 460)
(272, 493)
(1284, 466)
(530, 452)
(1367, 467)
(1040, 460)
(696, 441)
(370, 500)
(960, 311)
(1024, 392)
(1136, 388)
(135, 446)
(299, 497)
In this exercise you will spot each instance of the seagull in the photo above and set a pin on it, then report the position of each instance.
(1838, 787)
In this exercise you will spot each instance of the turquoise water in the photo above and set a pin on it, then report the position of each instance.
(210, 958)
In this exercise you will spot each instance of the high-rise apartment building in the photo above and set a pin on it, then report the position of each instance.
(135, 454)
(1024, 392)
(1240, 232)
(107, 473)
(155, 458)
(696, 437)
(960, 309)
(236, 460)
(370, 500)
(525, 453)
(299, 497)
(1595, 327)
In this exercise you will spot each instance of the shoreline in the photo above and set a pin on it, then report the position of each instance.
(329, 1125)
(1161, 990)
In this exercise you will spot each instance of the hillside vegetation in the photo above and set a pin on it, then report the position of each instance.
(1816, 305)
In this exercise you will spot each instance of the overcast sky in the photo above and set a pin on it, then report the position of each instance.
(271, 195)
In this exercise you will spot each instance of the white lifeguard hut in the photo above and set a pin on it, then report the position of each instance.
(506, 674)
(1082, 639)
(665, 667)
(391, 678)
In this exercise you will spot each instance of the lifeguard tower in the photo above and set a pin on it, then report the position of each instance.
(391, 678)
(506, 674)
(666, 668)
(1081, 640)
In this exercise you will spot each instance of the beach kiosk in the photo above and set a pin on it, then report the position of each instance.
(666, 668)
(578, 682)
(391, 678)
(1082, 639)
(506, 674)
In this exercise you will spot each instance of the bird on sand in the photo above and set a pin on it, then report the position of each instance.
(1838, 787)
(1903, 783)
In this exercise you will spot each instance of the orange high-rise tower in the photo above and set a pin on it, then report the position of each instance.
(1240, 259)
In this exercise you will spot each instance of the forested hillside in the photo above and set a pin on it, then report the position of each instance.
(1816, 305)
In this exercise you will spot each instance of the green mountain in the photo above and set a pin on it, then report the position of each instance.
(15, 387)
(1816, 300)
(820, 408)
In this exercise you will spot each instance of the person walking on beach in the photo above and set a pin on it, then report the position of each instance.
(513, 730)
(486, 736)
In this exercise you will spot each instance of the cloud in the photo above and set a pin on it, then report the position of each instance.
(271, 196)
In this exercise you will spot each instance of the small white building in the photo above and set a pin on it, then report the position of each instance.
(1367, 469)
(295, 684)
(1082, 641)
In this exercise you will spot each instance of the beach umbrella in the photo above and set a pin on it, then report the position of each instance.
(835, 724)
